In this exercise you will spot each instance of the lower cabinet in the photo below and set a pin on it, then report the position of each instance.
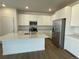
(72, 45)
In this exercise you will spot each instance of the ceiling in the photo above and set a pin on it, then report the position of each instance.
(37, 5)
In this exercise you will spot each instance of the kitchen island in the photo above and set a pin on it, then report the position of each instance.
(14, 43)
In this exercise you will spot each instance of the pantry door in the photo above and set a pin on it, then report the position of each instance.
(7, 24)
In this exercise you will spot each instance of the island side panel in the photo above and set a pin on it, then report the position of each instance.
(23, 45)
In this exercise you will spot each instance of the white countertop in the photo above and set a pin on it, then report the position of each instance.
(16, 36)
(74, 36)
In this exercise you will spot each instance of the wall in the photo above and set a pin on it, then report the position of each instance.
(9, 12)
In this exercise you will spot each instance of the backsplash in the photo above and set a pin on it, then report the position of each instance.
(46, 29)
(74, 30)
(40, 27)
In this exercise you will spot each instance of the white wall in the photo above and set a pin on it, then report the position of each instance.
(9, 12)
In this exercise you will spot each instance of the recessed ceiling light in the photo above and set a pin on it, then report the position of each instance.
(27, 7)
(3, 5)
(50, 9)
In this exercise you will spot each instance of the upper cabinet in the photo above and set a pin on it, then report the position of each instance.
(60, 13)
(75, 15)
(44, 20)
(24, 19)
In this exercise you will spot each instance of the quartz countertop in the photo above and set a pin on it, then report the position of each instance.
(74, 36)
(15, 36)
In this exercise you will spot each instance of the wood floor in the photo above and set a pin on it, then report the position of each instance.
(51, 52)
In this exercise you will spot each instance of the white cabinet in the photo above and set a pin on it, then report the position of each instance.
(60, 13)
(72, 45)
(75, 15)
(44, 20)
(6, 25)
(23, 19)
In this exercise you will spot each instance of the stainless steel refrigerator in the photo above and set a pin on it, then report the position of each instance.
(58, 32)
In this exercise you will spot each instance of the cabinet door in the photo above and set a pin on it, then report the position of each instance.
(33, 17)
(47, 20)
(24, 19)
(44, 20)
(40, 20)
(75, 15)
(67, 44)
(75, 46)
(7, 25)
(72, 45)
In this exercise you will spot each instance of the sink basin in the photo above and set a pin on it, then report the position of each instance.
(33, 33)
